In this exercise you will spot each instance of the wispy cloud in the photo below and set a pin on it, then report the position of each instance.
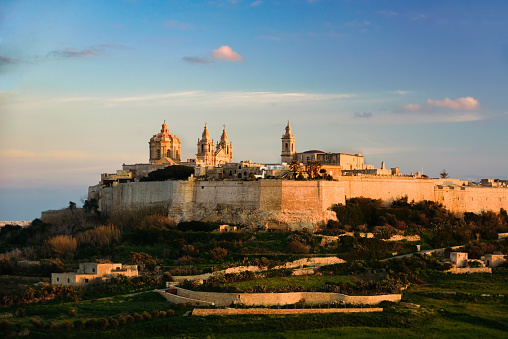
(221, 53)
(463, 104)
(74, 53)
(363, 115)
(400, 92)
(197, 60)
(182, 26)
(28, 155)
(467, 103)
(256, 3)
(457, 110)
(8, 61)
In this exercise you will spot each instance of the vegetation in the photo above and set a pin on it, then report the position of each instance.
(175, 172)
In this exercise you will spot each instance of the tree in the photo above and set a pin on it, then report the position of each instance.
(444, 174)
(294, 166)
(175, 172)
(72, 205)
(313, 168)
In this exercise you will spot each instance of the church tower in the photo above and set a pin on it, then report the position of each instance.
(164, 147)
(288, 146)
(205, 154)
(224, 152)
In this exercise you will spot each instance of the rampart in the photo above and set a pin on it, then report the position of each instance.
(252, 203)
(297, 204)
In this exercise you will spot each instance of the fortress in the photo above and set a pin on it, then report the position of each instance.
(276, 200)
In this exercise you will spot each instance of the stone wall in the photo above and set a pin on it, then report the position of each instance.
(297, 204)
(237, 311)
(274, 299)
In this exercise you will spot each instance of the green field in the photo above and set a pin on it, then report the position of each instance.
(308, 282)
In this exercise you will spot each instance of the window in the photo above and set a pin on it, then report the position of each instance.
(86, 281)
(57, 279)
(68, 280)
(168, 153)
(158, 154)
(93, 270)
(202, 148)
(286, 148)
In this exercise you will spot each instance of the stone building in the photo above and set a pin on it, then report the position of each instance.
(459, 259)
(208, 155)
(93, 272)
(165, 147)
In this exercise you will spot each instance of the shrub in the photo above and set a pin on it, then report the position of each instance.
(102, 236)
(113, 323)
(131, 319)
(146, 316)
(37, 322)
(72, 312)
(122, 321)
(138, 317)
(170, 313)
(91, 323)
(66, 324)
(4, 325)
(167, 277)
(175, 172)
(162, 314)
(60, 245)
(102, 323)
(155, 314)
(218, 253)
(296, 247)
(78, 324)
(54, 325)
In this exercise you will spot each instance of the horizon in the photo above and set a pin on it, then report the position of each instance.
(85, 84)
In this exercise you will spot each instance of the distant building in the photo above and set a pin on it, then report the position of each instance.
(164, 147)
(288, 153)
(93, 272)
(459, 259)
(494, 260)
(209, 155)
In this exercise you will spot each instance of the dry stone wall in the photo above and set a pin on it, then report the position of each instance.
(274, 299)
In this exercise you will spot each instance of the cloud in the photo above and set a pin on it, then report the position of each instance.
(363, 115)
(74, 53)
(467, 103)
(197, 60)
(7, 61)
(226, 53)
(400, 92)
(459, 104)
(178, 25)
(56, 155)
(256, 3)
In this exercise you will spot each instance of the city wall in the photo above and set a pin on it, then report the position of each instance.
(297, 204)
(252, 203)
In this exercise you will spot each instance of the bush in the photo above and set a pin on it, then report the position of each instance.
(122, 321)
(170, 313)
(131, 319)
(296, 247)
(91, 323)
(66, 324)
(78, 324)
(162, 314)
(60, 245)
(102, 323)
(218, 253)
(155, 314)
(146, 316)
(4, 325)
(175, 172)
(197, 226)
(138, 317)
(37, 322)
(113, 323)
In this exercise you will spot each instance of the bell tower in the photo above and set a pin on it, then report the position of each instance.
(205, 154)
(288, 146)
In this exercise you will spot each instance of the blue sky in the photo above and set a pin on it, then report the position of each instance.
(85, 84)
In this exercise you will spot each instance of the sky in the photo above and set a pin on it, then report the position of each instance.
(84, 84)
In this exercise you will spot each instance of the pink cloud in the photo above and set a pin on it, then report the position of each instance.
(467, 103)
(226, 53)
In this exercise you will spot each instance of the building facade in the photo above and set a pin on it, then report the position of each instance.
(288, 146)
(209, 155)
(164, 147)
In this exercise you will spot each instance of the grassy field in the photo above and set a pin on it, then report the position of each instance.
(451, 306)
(305, 281)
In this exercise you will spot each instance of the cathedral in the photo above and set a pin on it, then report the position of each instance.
(164, 147)
(208, 155)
